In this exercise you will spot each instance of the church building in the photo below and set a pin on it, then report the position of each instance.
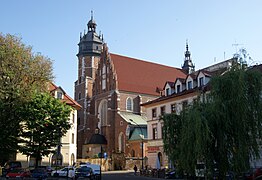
(110, 89)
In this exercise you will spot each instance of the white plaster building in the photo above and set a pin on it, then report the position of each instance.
(175, 96)
(68, 142)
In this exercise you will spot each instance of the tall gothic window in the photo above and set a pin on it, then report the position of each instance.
(103, 112)
(104, 77)
(129, 104)
(121, 144)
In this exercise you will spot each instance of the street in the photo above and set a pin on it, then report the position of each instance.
(126, 175)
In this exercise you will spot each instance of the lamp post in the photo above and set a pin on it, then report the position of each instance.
(142, 141)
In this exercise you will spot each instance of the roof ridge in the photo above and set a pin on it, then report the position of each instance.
(146, 61)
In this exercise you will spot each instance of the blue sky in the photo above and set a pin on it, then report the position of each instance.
(151, 30)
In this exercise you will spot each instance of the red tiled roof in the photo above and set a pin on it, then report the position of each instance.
(67, 99)
(142, 77)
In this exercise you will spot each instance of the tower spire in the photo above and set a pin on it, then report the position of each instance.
(91, 24)
(188, 65)
(186, 44)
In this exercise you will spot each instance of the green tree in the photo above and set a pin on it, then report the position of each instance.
(237, 122)
(46, 121)
(21, 73)
(226, 128)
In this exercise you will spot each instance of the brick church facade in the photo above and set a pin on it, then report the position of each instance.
(110, 89)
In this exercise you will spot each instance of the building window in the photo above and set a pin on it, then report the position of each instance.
(167, 91)
(79, 95)
(78, 121)
(57, 160)
(160, 158)
(162, 130)
(72, 159)
(154, 112)
(103, 112)
(121, 143)
(104, 78)
(189, 85)
(163, 110)
(133, 153)
(129, 104)
(178, 88)
(184, 104)
(73, 138)
(201, 81)
(59, 95)
(73, 119)
(173, 108)
(154, 130)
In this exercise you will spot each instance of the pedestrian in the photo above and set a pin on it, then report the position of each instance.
(71, 173)
(135, 170)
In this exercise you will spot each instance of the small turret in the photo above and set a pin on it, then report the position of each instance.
(91, 24)
(188, 66)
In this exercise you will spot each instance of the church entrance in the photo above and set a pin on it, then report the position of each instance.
(118, 161)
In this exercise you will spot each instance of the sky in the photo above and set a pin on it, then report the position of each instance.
(150, 30)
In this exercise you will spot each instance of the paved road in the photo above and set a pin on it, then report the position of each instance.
(124, 175)
(110, 175)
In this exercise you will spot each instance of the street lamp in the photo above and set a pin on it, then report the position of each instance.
(142, 141)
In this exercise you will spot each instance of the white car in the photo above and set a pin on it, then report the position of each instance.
(96, 168)
(62, 172)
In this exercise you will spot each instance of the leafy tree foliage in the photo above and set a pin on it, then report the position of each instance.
(21, 73)
(46, 121)
(223, 127)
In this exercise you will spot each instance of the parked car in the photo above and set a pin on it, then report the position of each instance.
(9, 166)
(173, 175)
(48, 169)
(18, 173)
(84, 172)
(253, 173)
(61, 172)
(200, 170)
(39, 173)
(95, 167)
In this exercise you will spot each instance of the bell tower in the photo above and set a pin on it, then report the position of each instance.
(89, 52)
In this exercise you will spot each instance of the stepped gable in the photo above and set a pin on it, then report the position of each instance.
(140, 76)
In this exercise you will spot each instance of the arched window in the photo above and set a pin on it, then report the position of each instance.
(57, 159)
(129, 104)
(72, 159)
(160, 157)
(121, 144)
(102, 109)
